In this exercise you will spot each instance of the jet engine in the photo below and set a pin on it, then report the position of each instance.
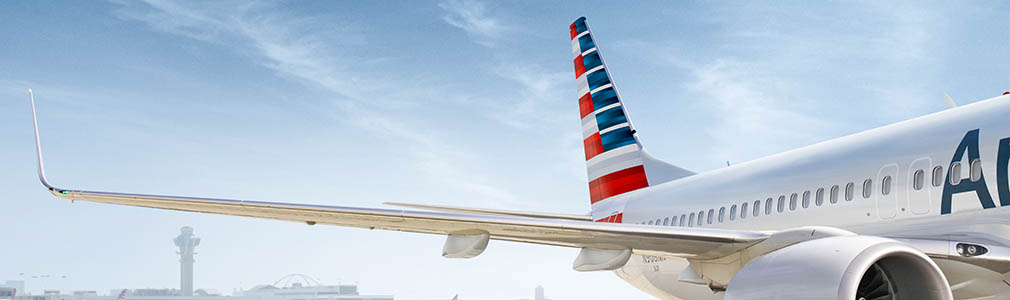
(843, 267)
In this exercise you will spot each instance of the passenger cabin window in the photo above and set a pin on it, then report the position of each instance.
(850, 190)
(918, 180)
(732, 212)
(690, 223)
(711, 214)
(867, 188)
(938, 176)
(819, 199)
(683, 218)
(806, 199)
(722, 214)
(768, 206)
(666, 221)
(782, 204)
(885, 186)
(976, 169)
(701, 217)
(792, 201)
(673, 221)
(955, 173)
(834, 194)
(757, 207)
(650, 222)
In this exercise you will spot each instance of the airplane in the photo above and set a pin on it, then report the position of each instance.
(911, 210)
(122, 295)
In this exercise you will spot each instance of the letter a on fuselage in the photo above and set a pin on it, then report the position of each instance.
(969, 145)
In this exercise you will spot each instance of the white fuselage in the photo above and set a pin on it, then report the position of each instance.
(901, 153)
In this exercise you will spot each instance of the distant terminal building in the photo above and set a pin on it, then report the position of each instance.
(302, 287)
(291, 287)
(14, 284)
(7, 293)
(10, 288)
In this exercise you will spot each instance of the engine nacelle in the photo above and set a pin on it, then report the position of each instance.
(844, 267)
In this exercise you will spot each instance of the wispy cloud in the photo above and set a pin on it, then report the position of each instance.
(754, 109)
(889, 40)
(293, 46)
(541, 97)
(542, 103)
(540, 100)
(761, 71)
(297, 48)
(474, 18)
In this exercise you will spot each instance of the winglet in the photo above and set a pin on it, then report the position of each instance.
(38, 147)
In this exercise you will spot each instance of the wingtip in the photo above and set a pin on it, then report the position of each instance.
(38, 147)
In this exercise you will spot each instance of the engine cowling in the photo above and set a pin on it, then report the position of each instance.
(844, 267)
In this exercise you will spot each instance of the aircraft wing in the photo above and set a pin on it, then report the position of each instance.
(570, 232)
(672, 241)
(493, 212)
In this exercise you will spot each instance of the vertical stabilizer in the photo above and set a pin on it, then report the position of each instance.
(616, 162)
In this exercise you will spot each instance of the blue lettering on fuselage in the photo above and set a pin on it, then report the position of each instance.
(969, 146)
(1002, 161)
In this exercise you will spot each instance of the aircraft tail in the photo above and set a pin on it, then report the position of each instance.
(616, 162)
(122, 295)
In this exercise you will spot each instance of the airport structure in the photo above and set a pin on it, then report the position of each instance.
(290, 287)
(186, 243)
(538, 294)
(294, 291)
(10, 288)
(13, 284)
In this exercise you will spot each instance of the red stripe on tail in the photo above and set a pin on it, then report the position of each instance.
(593, 145)
(586, 105)
(617, 183)
(580, 66)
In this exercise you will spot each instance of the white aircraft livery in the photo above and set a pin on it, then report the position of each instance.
(912, 210)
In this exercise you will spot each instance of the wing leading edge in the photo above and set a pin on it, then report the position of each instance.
(492, 212)
(665, 241)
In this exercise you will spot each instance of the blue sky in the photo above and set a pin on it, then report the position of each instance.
(464, 103)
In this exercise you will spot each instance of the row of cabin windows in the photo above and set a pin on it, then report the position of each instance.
(918, 183)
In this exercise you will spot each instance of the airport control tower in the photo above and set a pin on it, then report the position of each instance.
(186, 243)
